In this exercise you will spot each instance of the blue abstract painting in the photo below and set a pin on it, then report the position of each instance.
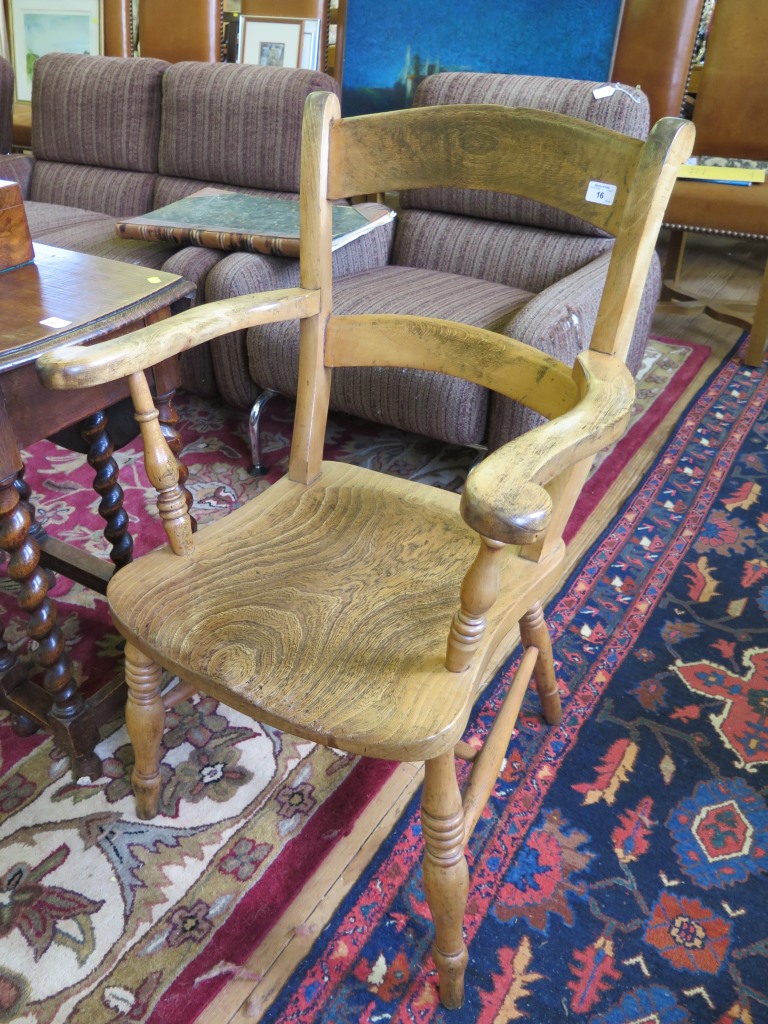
(390, 46)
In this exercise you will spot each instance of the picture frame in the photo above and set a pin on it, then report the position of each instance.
(390, 47)
(37, 27)
(279, 42)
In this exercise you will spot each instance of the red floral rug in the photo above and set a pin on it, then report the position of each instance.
(104, 918)
(620, 871)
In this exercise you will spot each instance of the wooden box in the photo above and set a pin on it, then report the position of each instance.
(15, 239)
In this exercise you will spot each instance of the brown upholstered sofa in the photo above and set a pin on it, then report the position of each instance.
(479, 258)
(116, 137)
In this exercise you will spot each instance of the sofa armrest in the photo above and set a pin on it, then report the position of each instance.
(242, 273)
(369, 251)
(559, 321)
(18, 167)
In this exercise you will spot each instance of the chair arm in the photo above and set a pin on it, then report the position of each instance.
(17, 167)
(504, 498)
(78, 366)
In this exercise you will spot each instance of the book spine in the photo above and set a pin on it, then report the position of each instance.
(230, 241)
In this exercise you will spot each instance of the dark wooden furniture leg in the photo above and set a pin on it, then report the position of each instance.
(105, 483)
(66, 714)
(11, 676)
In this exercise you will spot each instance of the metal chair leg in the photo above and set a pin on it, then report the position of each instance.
(258, 468)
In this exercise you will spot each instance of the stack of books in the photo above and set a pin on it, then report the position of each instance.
(723, 175)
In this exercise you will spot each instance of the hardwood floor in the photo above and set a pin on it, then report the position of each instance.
(719, 268)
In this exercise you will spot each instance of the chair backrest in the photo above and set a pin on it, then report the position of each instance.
(654, 50)
(611, 181)
(6, 105)
(92, 116)
(175, 31)
(118, 28)
(624, 110)
(206, 106)
(731, 112)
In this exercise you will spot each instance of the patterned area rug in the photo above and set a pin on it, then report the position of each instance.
(620, 875)
(103, 918)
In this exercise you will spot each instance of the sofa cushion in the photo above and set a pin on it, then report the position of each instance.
(98, 111)
(170, 190)
(45, 217)
(510, 254)
(95, 131)
(117, 193)
(625, 110)
(95, 234)
(206, 106)
(432, 404)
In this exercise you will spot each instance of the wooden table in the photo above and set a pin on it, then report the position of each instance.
(63, 298)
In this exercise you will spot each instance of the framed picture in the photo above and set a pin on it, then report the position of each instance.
(416, 38)
(279, 42)
(48, 26)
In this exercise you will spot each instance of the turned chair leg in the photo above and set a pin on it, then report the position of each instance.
(534, 633)
(145, 719)
(446, 876)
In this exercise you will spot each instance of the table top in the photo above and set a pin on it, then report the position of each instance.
(67, 297)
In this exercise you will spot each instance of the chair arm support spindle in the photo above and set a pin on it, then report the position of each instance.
(162, 469)
(478, 595)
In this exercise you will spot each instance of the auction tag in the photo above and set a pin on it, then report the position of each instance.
(603, 91)
(600, 192)
(56, 322)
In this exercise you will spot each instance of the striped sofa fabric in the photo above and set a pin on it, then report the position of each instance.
(116, 137)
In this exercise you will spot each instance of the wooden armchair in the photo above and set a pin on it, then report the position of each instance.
(731, 118)
(352, 608)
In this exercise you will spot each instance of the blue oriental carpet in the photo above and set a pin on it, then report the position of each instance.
(620, 873)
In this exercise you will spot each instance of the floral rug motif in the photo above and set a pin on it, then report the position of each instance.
(620, 873)
(104, 918)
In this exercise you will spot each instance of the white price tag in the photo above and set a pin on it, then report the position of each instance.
(603, 91)
(600, 192)
(56, 322)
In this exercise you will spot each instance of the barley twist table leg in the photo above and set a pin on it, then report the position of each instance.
(105, 483)
(67, 705)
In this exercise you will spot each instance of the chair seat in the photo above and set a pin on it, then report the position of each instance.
(708, 206)
(265, 623)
